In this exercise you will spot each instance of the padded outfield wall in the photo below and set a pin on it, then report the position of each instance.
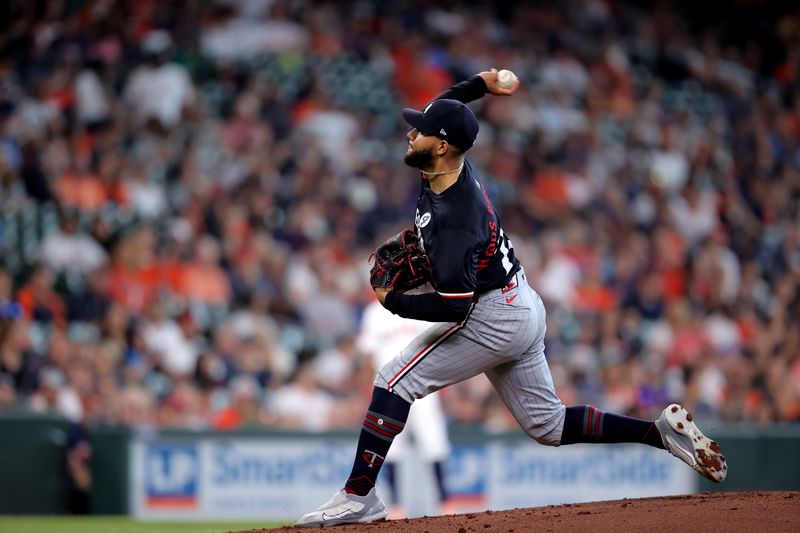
(280, 475)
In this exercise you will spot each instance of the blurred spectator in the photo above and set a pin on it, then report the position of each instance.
(183, 407)
(135, 275)
(145, 196)
(68, 249)
(39, 301)
(37, 185)
(55, 395)
(244, 409)
(136, 408)
(20, 366)
(92, 105)
(334, 367)
(6, 294)
(163, 337)
(80, 186)
(158, 92)
(79, 453)
(302, 404)
(248, 34)
(93, 303)
(8, 392)
(202, 279)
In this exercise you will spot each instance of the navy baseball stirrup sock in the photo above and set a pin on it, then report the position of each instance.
(587, 423)
(386, 416)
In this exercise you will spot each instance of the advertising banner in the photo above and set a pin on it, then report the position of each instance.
(239, 478)
(511, 474)
(283, 478)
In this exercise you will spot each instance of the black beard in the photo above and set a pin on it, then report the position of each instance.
(421, 159)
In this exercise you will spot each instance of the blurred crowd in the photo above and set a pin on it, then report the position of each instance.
(189, 193)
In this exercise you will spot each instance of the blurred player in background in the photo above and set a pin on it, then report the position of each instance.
(382, 336)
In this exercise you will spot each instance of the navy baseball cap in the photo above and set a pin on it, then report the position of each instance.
(447, 119)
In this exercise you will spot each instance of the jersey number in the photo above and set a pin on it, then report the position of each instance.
(505, 251)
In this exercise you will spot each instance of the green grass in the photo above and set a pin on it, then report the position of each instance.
(114, 524)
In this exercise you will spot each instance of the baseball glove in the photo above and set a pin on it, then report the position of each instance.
(400, 263)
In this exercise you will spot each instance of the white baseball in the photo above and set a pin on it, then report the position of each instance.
(506, 79)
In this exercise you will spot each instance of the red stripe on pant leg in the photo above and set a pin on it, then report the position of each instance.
(597, 424)
(646, 433)
(421, 353)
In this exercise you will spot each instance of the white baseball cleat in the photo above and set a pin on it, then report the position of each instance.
(346, 508)
(686, 442)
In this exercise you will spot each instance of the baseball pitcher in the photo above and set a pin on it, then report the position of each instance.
(488, 319)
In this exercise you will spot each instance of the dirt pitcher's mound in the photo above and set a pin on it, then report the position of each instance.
(723, 512)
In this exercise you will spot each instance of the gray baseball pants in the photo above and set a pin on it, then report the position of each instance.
(503, 337)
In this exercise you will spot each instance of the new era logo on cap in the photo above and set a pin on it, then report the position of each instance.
(449, 119)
